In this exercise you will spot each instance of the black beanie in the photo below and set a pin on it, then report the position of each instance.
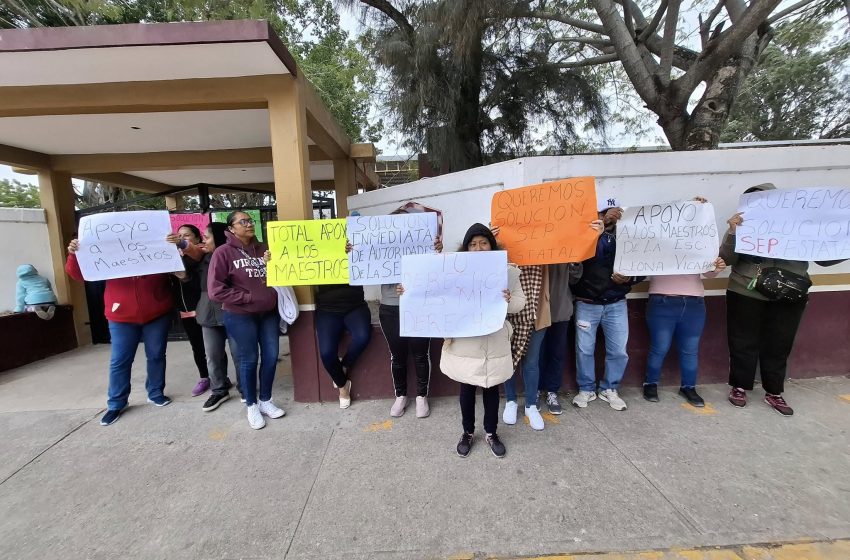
(483, 231)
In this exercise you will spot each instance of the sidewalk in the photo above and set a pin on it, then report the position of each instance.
(178, 483)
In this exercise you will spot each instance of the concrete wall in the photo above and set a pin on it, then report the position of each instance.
(24, 235)
(633, 178)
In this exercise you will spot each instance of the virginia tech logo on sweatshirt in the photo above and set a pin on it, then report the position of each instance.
(254, 267)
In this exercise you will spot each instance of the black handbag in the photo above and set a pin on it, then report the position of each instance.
(778, 284)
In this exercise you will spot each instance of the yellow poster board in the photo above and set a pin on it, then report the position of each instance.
(307, 253)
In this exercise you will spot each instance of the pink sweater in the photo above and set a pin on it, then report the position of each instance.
(679, 284)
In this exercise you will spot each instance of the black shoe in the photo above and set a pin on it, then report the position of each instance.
(110, 417)
(160, 401)
(692, 397)
(496, 445)
(464, 446)
(214, 401)
(650, 392)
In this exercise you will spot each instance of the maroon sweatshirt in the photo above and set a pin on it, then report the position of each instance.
(237, 278)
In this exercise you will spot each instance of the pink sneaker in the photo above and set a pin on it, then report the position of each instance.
(202, 387)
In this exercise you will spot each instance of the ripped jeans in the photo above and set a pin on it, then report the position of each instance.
(614, 319)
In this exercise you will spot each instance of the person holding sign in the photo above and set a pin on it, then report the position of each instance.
(482, 361)
(340, 308)
(676, 309)
(237, 280)
(187, 292)
(601, 300)
(765, 302)
(138, 309)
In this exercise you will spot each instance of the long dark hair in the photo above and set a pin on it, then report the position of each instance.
(195, 231)
(217, 229)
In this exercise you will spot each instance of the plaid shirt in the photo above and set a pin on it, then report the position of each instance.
(531, 280)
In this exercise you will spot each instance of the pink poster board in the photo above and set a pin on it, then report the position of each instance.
(200, 221)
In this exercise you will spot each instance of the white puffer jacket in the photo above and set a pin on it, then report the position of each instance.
(486, 360)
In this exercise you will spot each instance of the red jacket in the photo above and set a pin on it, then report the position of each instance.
(138, 299)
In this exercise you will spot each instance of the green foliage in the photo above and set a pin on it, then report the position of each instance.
(469, 83)
(310, 29)
(14, 194)
(799, 90)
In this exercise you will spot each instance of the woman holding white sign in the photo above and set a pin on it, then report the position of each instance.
(676, 310)
(237, 280)
(138, 309)
(483, 361)
(765, 302)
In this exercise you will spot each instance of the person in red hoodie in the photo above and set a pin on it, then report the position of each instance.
(237, 280)
(138, 308)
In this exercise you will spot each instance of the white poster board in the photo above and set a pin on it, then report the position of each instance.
(662, 239)
(805, 224)
(379, 242)
(452, 295)
(123, 244)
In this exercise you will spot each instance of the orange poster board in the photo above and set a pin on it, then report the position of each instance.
(547, 223)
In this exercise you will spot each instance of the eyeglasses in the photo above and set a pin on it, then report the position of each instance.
(245, 222)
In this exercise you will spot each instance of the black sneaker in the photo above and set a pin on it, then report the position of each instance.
(110, 417)
(160, 401)
(496, 445)
(464, 446)
(692, 397)
(650, 392)
(553, 404)
(214, 401)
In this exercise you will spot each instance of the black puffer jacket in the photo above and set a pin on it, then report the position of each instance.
(595, 284)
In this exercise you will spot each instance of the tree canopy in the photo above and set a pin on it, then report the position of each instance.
(14, 194)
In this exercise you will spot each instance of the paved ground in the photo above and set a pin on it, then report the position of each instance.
(325, 483)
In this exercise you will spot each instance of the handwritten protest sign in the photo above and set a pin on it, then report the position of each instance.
(200, 221)
(547, 223)
(255, 215)
(672, 238)
(123, 244)
(453, 294)
(805, 224)
(379, 242)
(307, 252)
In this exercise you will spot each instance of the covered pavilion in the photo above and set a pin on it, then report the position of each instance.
(166, 109)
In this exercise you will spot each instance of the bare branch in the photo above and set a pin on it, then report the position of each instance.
(592, 61)
(669, 40)
(391, 12)
(653, 25)
(725, 45)
(627, 17)
(601, 41)
(551, 16)
(705, 26)
(627, 51)
(790, 9)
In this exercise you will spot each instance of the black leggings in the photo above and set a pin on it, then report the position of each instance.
(400, 348)
(196, 339)
(761, 334)
(490, 396)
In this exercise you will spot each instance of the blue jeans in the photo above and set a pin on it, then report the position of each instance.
(553, 356)
(614, 319)
(680, 317)
(530, 366)
(250, 331)
(125, 341)
(329, 329)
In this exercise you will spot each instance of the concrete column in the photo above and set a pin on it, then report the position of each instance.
(175, 203)
(57, 199)
(345, 185)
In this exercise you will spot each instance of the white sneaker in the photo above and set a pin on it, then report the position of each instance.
(398, 407)
(613, 399)
(509, 415)
(255, 417)
(534, 417)
(583, 398)
(270, 409)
